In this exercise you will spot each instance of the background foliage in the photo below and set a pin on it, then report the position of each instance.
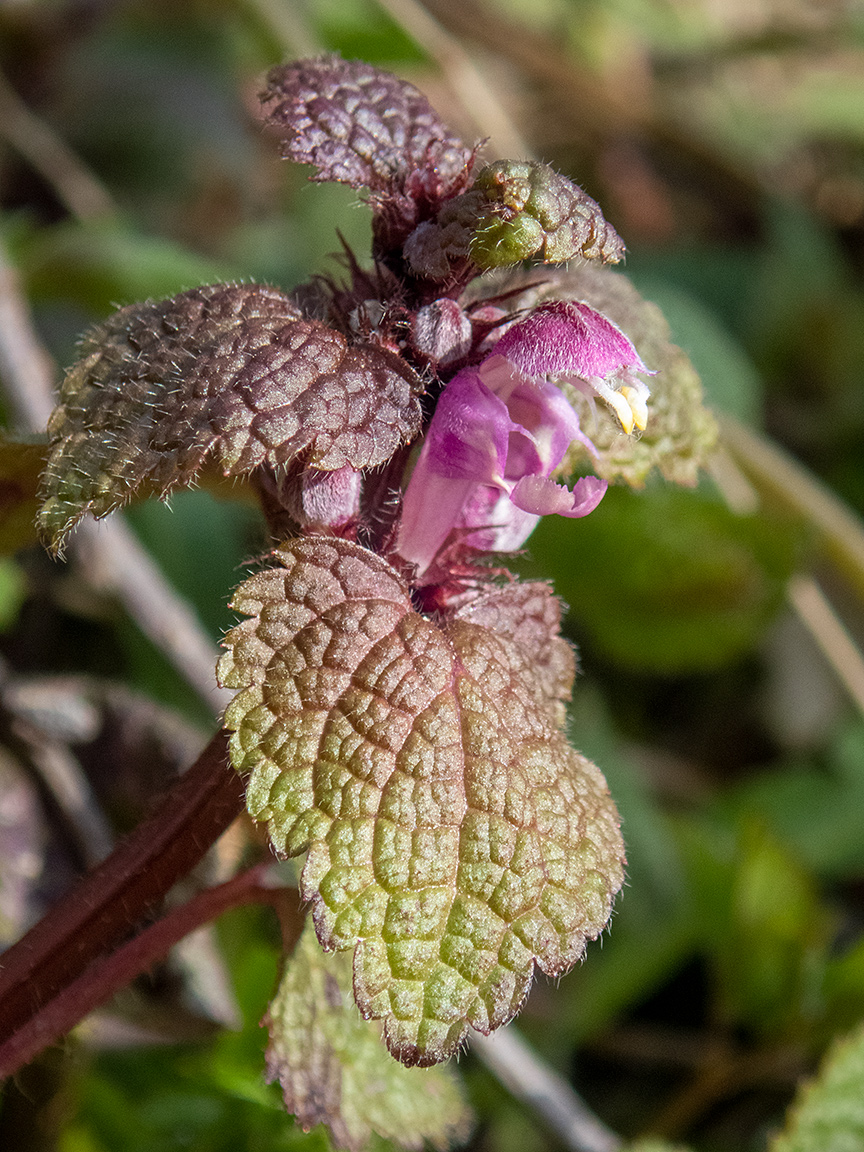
(726, 144)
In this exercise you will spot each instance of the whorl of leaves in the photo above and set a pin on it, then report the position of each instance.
(454, 837)
(361, 126)
(234, 371)
(533, 211)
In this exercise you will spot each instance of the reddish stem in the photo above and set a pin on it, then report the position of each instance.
(104, 906)
(108, 975)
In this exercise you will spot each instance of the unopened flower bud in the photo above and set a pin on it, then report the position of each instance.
(441, 332)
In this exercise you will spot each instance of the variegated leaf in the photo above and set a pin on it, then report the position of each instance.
(361, 126)
(232, 371)
(454, 837)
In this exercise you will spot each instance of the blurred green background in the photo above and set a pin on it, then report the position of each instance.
(725, 142)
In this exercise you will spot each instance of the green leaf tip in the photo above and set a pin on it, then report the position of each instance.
(334, 1070)
(828, 1115)
(514, 211)
(531, 211)
(454, 837)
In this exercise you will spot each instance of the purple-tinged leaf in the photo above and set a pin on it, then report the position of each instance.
(454, 837)
(229, 371)
(361, 126)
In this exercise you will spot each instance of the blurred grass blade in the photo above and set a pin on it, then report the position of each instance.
(778, 474)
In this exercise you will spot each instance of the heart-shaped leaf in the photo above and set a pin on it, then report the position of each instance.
(361, 126)
(454, 837)
(235, 371)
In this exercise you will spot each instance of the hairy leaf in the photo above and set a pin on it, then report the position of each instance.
(334, 1070)
(229, 370)
(532, 211)
(829, 1113)
(361, 126)
(454, 837)
(514, 211)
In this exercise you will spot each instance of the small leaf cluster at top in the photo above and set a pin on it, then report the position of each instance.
(306, 391)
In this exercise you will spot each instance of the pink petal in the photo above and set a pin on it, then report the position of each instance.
(545, 413)
(542, 497)
(431, 508)
(564, 338)
(500, 525)
(331, 498)
(468, 435)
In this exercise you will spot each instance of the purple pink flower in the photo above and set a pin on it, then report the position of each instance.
(501, 429)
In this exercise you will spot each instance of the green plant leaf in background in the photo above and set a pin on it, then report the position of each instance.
(652, 931)
(334, 1069)
(815, 808)
(776, 939)
(210, 1096)
(103, 264)
(665, 580)
(829, 1113)
(728, 376)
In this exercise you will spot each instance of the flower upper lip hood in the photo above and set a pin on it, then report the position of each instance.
(570, 340)
(501, 429)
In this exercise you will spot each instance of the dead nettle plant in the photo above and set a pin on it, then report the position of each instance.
(400, 709)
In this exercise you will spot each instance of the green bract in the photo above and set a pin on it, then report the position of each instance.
(532, 211)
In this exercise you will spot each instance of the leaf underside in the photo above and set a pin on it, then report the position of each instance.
(229, 370)
(454, 837)
(334, 1070)
(361, 126)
